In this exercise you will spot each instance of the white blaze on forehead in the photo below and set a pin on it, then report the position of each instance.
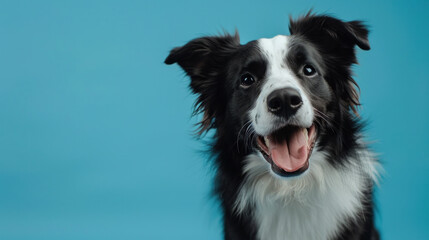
(275, 48)
(278, 76)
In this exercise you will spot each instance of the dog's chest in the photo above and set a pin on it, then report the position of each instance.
(315, 207)
(297, 221)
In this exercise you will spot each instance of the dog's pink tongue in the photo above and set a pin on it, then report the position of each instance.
(292, 155)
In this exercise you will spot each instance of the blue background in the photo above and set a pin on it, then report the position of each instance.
(96, 135)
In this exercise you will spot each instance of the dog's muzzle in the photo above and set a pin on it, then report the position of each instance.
(289, 147)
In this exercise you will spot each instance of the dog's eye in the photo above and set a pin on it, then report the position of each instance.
(247, 80)
(309, 70)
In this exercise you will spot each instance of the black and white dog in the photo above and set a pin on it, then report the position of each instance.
(290, 156)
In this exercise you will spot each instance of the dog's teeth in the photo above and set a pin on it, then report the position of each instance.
(305, 132)
(267, 141)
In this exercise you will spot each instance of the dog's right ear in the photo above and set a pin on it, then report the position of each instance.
(205, 60)
(198, 57)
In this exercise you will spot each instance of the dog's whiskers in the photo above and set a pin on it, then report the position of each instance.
(323, 119)
(249, 136)
(246, 125)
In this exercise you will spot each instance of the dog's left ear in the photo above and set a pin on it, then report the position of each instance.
(359, 33)
(331, 31)
(204, 60)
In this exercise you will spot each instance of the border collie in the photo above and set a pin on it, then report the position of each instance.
(288, 145)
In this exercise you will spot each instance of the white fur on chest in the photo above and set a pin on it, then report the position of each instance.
(313, 206)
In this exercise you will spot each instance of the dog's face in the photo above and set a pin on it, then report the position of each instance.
(280, 95)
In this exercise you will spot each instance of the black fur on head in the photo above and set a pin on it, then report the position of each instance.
(215, 63)
(203, 60)
(336, 40)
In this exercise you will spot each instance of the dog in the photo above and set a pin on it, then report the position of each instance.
(288, 146)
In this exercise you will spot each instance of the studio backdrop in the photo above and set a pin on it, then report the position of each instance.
(96, 133)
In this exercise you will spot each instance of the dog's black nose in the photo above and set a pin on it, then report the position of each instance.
(284, 102)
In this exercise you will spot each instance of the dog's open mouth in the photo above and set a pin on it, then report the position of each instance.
(288, 149)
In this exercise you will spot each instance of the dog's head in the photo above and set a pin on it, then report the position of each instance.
(288, 91)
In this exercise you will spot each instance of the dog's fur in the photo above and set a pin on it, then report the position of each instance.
(332, 199)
